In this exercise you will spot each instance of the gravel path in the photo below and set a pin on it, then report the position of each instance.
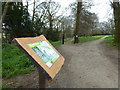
(87, 65)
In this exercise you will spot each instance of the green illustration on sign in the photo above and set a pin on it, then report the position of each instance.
(45, 51)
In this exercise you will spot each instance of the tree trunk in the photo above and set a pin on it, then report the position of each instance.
(3, 15)
(116, 11)
(4, 11)
(79, 6)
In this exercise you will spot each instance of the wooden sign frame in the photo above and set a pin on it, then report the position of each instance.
(49, 73)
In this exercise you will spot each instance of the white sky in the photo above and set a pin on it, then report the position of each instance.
(101, 7)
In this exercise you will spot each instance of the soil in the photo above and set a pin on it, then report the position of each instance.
(87, 65)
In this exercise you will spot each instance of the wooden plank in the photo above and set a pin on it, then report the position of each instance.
(49, 73)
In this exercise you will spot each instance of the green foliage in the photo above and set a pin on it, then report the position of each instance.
(17, 21)
(110, 41)
(89, 38)
(14, 62)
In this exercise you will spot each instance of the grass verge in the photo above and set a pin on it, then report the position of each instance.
(89, 38)
(110, 42)
(14, 62)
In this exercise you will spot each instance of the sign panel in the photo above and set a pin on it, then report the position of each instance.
(45, 51)
(47, 59)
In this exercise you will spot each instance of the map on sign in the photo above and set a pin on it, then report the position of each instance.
(45, 52)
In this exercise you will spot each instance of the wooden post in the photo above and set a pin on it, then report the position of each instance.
(42, 80)
(63, 38)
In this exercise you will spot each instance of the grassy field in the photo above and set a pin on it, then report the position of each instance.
(110, 42)
(89, 38)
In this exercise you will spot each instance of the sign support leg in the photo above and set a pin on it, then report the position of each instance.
(42, 80)
(62, 38)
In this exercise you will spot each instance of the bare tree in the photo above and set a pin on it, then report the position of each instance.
(50, 8)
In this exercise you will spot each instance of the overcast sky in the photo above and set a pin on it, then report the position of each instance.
(102, 9)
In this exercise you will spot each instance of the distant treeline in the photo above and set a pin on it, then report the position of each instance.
(19, 23)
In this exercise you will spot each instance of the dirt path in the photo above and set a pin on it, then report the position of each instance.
(87, 65)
